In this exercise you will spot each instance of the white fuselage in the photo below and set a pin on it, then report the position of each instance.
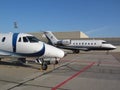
(76, 45)
(26, 45)
(91, 44)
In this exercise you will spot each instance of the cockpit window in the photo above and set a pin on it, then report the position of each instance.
(25, 39)
(32, 39)
(104, 42)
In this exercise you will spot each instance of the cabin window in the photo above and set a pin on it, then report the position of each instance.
(94, 43)
(91, 43)
(25, 39)
(19, 39)
(82, 43)
(3, 39)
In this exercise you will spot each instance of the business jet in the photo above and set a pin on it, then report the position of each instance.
(77, 45)
(23, 45)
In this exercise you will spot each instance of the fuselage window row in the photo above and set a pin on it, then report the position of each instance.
(84, 43)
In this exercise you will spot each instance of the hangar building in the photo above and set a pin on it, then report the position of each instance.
(62, 35)
(76, 35)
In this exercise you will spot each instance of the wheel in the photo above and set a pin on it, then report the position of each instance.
(56, 62)
(76, 51)
(22, 60)
(44, 66)
(0, 60)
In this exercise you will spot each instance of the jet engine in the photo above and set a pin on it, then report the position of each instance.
(64, 42)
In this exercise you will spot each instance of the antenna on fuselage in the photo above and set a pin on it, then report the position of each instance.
(15, 25)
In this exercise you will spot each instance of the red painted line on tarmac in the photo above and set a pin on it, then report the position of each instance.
(73, 76)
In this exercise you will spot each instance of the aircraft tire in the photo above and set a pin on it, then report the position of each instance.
(44, 66)
(56, 62)
(76, 51)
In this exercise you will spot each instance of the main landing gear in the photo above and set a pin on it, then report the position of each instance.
(76, 51)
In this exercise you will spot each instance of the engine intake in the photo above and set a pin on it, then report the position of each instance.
(64, 42)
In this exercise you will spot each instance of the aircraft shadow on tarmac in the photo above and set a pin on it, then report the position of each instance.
(17, 64)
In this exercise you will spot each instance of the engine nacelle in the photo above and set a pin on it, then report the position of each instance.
(64, 42)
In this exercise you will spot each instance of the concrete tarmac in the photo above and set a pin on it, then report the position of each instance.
(84, 71)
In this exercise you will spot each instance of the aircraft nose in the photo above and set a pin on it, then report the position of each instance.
(113, 47)
(60, 53)
(109, 46)
(53, 52)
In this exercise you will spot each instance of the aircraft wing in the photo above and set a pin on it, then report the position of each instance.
(2, 53)
(73, 48)
(8, 54)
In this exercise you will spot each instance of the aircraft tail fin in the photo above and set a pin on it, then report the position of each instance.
(50, 36)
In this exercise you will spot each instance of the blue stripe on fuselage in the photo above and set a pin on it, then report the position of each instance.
(14, 41)
(37, 54)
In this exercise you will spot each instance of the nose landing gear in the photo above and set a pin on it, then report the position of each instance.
(44, 62)
(44, 66)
